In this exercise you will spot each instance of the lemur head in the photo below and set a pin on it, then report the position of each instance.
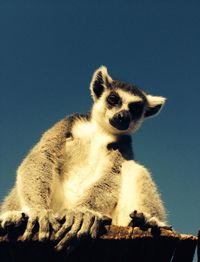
(120, 107)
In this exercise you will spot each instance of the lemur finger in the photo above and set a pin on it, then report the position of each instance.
(78, 220)
(61, 215)
(1, 226)
(98, 223)
(95, 227)
(54, 224)
(65, 227)
(13, 218)
(88, 221)
(167, 227)
(69, 237)
(154, 222)
(44, 228)
(29, 229)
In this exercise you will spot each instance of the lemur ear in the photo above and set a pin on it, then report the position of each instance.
(155, 103)
(100, 81)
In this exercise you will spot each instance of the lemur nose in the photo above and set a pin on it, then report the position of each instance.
(121, 120)
(120, 116)
(123, 115)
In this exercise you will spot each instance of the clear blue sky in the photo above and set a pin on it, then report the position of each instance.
(48, 52)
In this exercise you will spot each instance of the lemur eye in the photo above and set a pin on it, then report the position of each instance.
(113, 99)
(136, 109)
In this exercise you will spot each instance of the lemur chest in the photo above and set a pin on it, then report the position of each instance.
(86, 157)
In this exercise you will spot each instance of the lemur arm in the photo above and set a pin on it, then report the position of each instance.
(35, 176)
(37, 171)
(138, 193)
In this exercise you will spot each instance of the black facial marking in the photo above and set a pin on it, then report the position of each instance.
(136, 109)
(98, 85)
(113, 99)
(124, 145)
(127, 87)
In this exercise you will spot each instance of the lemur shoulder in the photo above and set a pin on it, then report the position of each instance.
(83, 170)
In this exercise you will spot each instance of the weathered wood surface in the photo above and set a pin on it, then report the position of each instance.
(115, 244)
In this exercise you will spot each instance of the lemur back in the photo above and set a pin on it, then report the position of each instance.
(82, 171)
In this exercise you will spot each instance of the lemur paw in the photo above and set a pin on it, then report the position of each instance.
(78, 225)
(46, 221)
(12, 219)
(145, 221)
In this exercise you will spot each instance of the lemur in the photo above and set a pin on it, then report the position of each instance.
(82, 170)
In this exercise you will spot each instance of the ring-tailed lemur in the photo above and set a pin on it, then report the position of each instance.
(83, 169)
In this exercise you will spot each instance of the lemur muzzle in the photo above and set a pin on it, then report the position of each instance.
(121, 120)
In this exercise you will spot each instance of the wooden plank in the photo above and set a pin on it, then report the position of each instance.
(185, 249)
(115, 244)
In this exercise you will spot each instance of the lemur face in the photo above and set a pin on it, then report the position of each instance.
(120, 107)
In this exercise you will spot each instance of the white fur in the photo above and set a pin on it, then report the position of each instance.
(155, 100)
(89, 163)
(127, 98)
(128, 198)
(138, 192)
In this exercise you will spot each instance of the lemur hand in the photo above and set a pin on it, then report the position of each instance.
(46, 221)
(145, 221)
(78, 224)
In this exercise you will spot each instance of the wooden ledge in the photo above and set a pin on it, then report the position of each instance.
(115, 244)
